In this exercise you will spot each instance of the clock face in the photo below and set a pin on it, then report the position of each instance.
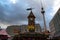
(31, 18)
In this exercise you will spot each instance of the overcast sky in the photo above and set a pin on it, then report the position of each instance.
(13, 12)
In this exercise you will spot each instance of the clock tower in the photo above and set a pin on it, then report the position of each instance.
(31, 19)
(31, 22)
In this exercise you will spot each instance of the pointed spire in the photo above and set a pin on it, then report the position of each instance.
(31, 14)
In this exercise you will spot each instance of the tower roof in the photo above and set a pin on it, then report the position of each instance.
(31, 15)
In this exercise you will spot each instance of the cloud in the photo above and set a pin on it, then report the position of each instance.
(55, 7)
(16, 14)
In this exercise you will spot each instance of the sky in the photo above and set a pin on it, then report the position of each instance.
(13, 12)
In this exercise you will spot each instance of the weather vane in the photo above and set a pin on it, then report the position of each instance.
(29, 9)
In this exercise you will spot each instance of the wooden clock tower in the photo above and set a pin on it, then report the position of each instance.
(31, 21)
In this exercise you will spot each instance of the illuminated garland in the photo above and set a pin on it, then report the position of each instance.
(31, 27)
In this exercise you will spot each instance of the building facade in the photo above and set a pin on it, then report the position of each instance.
(14, 29)
(52, 28)
(55, 24)
(24, 28)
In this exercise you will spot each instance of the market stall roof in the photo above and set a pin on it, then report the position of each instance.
(3, 32)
